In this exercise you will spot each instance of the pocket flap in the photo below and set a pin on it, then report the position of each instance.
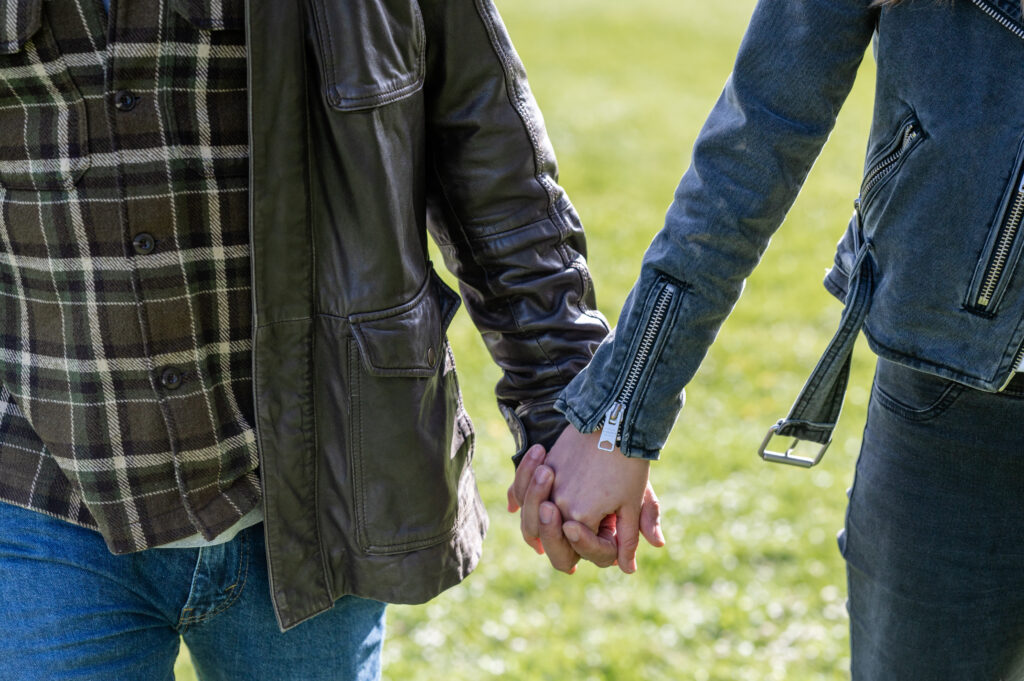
(372, 52)
(407, 340)
(212, 15)
(19, 21)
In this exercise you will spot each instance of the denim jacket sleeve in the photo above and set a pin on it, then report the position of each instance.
(795, 67)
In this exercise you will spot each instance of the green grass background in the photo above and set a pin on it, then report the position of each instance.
(751, 585)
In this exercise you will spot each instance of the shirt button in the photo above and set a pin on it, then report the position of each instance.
(125, 100)
(144, 243)
(171, 378)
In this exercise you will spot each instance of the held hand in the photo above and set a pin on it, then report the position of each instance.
(541, 520)
(600, 492)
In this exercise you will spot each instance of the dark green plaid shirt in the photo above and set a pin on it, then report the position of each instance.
(126, 397)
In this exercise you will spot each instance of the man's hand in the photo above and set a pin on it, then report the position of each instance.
(604, 497)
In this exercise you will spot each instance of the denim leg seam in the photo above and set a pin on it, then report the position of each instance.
(238, 586)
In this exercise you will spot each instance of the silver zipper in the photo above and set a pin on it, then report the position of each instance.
(1006, 23)
(881, 169)
(613, 416)
(1017, 359)
(997, 263)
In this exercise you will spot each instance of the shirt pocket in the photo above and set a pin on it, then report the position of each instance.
(370, 52)
(43, 127)
(206, 109)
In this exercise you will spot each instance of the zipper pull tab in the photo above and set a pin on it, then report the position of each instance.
(610, 430)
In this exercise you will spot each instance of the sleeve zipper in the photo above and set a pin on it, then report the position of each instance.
(611, 430)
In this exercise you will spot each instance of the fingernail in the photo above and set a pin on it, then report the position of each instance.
(545, 515)
(542, 475)
(572, 534)
(631, 568)
(536, 454)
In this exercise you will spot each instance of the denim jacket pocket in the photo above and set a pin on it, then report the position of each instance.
(43, 128)
(886, 162)
(370, 52)
(1002, 251)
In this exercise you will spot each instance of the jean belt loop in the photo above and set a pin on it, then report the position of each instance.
(814, 415)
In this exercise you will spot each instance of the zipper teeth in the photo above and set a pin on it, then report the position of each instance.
(1017, 359)
(646, 344)
(1013, 368)
(998, 262)
(1009, 25)
(881, 168)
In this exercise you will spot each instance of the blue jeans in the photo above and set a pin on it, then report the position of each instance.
(934, 538)
(72, 610)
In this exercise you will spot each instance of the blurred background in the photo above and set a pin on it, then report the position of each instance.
(751, 584)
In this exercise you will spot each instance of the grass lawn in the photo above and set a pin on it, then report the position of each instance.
(751, 585)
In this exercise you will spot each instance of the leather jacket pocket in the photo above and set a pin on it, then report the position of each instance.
(43, 128)
(412, 441)
(370, 52)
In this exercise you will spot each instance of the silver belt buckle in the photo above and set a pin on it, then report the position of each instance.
(787, 457)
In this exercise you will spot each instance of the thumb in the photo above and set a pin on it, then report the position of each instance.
(650, 518)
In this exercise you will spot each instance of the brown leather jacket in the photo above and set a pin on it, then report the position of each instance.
(372, 122)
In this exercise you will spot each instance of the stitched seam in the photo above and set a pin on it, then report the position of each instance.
(937, 408)
(414, 84)
(514, 97)
(403, 86)
(191, 588)
(467, 240)
(357, 458)
(238, 586)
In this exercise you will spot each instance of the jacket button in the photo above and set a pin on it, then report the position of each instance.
(125, 100)
(144, 243)
(171, 378)
(431, 356)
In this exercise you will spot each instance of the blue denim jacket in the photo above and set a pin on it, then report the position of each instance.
(940, 205)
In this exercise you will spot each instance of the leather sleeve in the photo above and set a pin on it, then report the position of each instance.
(505, 227)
